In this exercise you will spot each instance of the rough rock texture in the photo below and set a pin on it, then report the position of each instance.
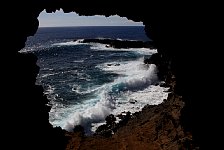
(155, 127)
(178, 30)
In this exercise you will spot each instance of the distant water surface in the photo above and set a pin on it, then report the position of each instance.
(85, 82)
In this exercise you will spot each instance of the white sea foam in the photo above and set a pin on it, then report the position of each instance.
(77, 88)
(129, 92)
(70, 43)
(78, 61)
(104, 47)
(49, 74)
(28, 49)
(91, 114)
(49, 90)
(99, 46)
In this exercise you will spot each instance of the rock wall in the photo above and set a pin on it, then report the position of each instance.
(173, 27)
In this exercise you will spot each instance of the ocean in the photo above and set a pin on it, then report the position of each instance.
(85, 82)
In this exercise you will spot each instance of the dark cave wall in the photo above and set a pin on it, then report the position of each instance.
(172, 28)
(25, 116)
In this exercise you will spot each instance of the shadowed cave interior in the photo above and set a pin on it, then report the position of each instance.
(176, 124)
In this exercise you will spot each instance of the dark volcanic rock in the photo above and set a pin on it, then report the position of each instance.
(78, 128)
(141, 130)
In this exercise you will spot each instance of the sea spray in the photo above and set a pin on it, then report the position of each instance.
(114, 97)
(85, 82)
(95, 114)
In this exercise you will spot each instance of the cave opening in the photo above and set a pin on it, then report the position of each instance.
(93, 67)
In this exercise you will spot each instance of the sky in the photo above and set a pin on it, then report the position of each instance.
(59, 19)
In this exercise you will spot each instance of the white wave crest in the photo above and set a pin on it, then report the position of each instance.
(70, 43)
(94, 114)
(136, 81)
(135, 85)
(105, 47)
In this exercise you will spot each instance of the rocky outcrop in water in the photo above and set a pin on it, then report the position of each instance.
(120, 43)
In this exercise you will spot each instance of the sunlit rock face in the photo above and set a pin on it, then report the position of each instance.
(175, 33)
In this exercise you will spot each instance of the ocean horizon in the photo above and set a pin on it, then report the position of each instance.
(86, 82)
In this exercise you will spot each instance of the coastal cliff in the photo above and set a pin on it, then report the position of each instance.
(175, 124)
(155, 127)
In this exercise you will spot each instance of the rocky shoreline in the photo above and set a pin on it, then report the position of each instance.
(155, 127)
